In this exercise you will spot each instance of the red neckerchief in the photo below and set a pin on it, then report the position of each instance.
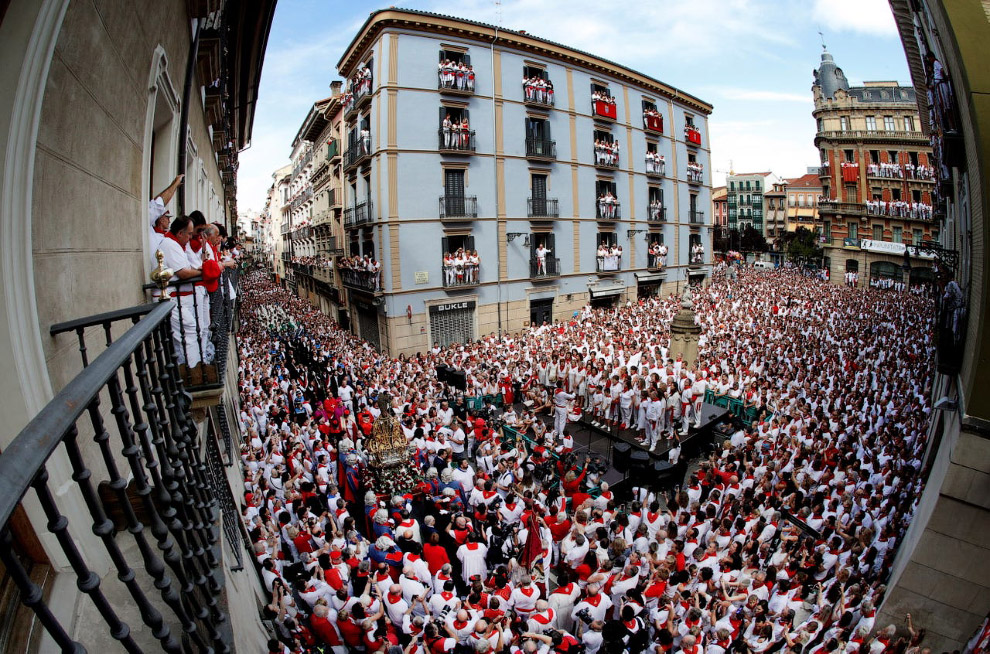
(172, 236)
(160, 231)
(195, 244)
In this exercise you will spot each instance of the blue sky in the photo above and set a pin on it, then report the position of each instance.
(752, 59)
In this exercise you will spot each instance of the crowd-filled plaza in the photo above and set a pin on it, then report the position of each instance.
(481, 541)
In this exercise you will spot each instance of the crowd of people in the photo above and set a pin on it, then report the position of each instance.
(358, 86)
(780, 541)
(695, 172)
(906, 170)
(461, 267)
(609, 257)
(698, 253)
(456, 133)
(319, 261)
(606, 152)
(852, 278)
(608, 206)
(599, 96)
(455, 75)
(366, 267)
(538, 89)
(655, 208)
(655, 163)
(899, 209)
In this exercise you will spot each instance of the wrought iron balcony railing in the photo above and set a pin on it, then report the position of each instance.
(607, 211)
(545, 268)
(365, 280)
(455, 140)
(460, 276)
(542, 208)
(458, 207)
(540, 148)
(169, 499)
(359, 214)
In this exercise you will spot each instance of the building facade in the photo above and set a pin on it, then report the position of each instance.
(720, 207)
(550, 180)
(877, 178)
(278, 227)
(775, 211)
(803, 194)
(745, 202)
(942, 570)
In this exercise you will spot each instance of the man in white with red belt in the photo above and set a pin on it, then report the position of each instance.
(173, 249)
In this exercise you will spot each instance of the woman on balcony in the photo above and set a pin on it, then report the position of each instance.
(474, 265)
(448, 269)
(465, 133)
(448, 129)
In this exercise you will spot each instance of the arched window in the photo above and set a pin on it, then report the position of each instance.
(161, 132)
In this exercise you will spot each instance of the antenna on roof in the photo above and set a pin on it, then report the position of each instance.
(498, 11)
(823, 39)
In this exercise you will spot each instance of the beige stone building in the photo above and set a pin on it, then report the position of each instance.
(877, 178)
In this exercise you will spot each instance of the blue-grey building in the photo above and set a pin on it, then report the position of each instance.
(569, 175)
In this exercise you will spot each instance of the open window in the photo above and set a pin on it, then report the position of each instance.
(455, 72)
(608, 254)
(607, 202)
(542, 255)
(602, 102)
(460, 262)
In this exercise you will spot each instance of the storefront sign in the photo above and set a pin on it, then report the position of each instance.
(452, 306)
(886, 247)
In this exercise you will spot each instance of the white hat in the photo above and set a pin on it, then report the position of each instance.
(156, 209)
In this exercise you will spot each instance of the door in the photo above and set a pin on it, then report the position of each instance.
(540, 311)
(539, 195)
(454, 192)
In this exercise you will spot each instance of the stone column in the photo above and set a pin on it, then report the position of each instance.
(683, 332)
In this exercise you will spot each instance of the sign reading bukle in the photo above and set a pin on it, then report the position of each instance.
(452, 306)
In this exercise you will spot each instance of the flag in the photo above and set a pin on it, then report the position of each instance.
(534, 547)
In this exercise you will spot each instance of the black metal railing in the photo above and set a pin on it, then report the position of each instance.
(538, 95)
(458, 207)
(656, 261)
(608, 263)
(455, 140)
(542, 208)
(656, 214)
(455, 276)
(163, 498)
(655, 167)
(544, 268)
(359, 150)
(697, 217)
(540, 148)
(362, 279)
(607, 210)
(359, 214)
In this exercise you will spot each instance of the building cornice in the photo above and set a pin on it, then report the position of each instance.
(439, 25)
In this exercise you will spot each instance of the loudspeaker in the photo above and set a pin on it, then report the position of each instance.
(620, 456)
(457, 379)
(443, 373)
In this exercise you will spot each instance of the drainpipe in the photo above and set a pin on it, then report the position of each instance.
(184, 114)
(498, 244)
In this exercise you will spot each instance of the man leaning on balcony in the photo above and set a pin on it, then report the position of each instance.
(175, 257)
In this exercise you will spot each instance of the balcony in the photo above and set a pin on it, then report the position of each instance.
(656, 260)
(899, 209)
(364, 280)
(456, 82)
(358, 153)
(460, 275)
(692, 135)
(653, 122)
(608, 260)
(656, 165)
(872, 135)
(606, 211)
(538, 94)
(698, 217)
(455, 141)
(607, 155)
(542, 208)
(336, 198)
(656, 213)
(458, 207)
(844, 208)
(333, 156)
(850, 172)
(541, 149)
(546, 268)
(359, 214)
(604, 108)
(695, 174)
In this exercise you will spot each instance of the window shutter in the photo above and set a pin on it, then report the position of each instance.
(469, 242)
(466, 59)
(445, 245)
(467, 114)
(443, 114)
(441, 57)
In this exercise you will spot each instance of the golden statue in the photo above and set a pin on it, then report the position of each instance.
(389, 461)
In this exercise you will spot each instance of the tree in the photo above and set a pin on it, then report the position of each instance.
(753, 240)
(804, 245)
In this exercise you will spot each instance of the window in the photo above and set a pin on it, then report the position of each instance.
(850, 190)
(538, 141)
(898, 235)
(689, 120)
(913, 157)
(871, 123)
(820, 125)
(451, 137)
(827, 231)
(652, 120)
(874, 156)
(935, 235)
(844, 123)
(878, 232)
(849, 155)
(732, 186)
(606, 201)
(853, 230)
(917, 236)
(455, 57)
(892, 156)
(895, 194)
(908, 124)
(600, 89)
(888, 123)
(536, 71)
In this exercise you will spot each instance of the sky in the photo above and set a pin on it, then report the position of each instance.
(751, 59)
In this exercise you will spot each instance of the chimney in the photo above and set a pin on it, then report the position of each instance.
(335, 87)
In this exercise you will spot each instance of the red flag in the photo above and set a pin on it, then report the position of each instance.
(534, 546)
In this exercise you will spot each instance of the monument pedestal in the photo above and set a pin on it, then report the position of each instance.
(684, 333)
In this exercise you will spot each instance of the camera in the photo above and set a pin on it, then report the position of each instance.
(585, 615)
